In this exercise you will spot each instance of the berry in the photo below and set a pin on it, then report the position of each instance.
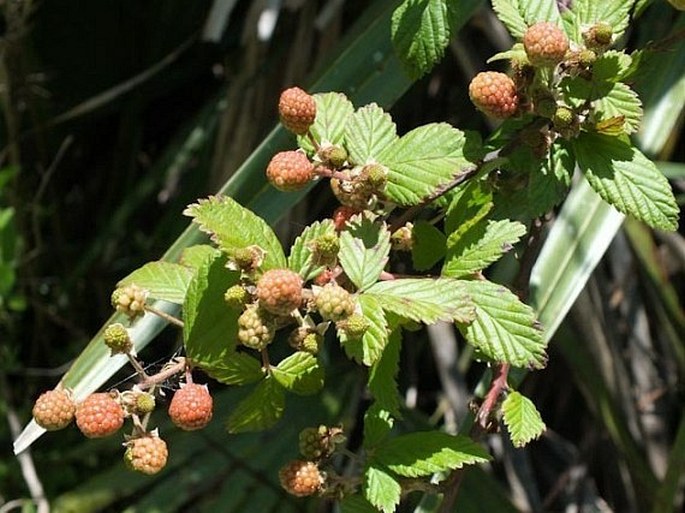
(333, 155)
(354, 326)
(341, 215)
(236, 297)
(317, 443)
(248, 258)
(374, 176)
(304, 339)
(256, 328)
(99, 415)
(599, 36)
(352, 193)
(290, 170)
(402, 239)
(297, 110)
(301, 478)
(117, 339)
(130, 299)
(545, 44)
(334, 303)
(54, 409)
(279, 291)
(325, 248)
(147, 454)
(494, 93)
(191, 407)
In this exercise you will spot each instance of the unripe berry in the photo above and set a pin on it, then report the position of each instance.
(191, 407)
(351, 193)
(117, 339)
(297, 110)
(304, 339)
(545, 44)
(325, 249)
(599, 36)
(54, 409)
(354, 326)
(248, 258)
(494, 93)
(130, 299)
(333, 155)
(99, 415)
(279, 291)
(334, 303)
(301, 478)
(317, 443)
(256, 328)
(290, 171)
(402, 239)
(374, 177)
(146, 454)
(237, 297)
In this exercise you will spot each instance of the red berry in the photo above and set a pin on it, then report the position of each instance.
(494, 93)
(301, 478)
(545, 44)
(297, 110)
(290, 170)
(191, 407)
(147, 454)
(279, 291)
(54, 409)
(99, 415)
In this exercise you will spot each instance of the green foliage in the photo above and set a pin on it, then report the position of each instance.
(333, 110)
(368, 131)
(301, 258)
(364, 249)
(522, 419)
(428, 245)
(260, 410)
(585, 13)
(163, 280)
(370, 348)
(299, 373)
(381, 489)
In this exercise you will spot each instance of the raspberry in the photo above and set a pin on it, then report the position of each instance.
(325, 248)
(545, 44)
(341, 215)
(256, 328)
(130, 299)
(599, 36)
(99, 415)
(191, 407)
(248, 258)
(494, 93)
(304, 339)
(236, 297)
(54, 409)
(334, 303)
(146, 454)
(297, 110)
(354, 326)
(289, 171)
(319, 443)
(117, 339)
(333, 155)
(279, 291)
(137, 402)
(301, 478)
(374, 176)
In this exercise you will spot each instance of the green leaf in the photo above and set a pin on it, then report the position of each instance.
(370, 348)
(300, 259)
(260, 410)
(522, 419)
(505, 329)
(623, 103)
(164, 280)
(333, 111)
(368, 131)
(540, 10)
(627, 179)
(480, 246)
(210, 327)
(232, 227)
(428, 452)
(470, 203)
(510, 14)
(237, 368)
(198, 255)
(364, 250)
(422, 161)
(378, 422)
(299, 373)
(420, 31)
(383, 375)
(356, 504)
(424, 299)
(585, 13)
(428, 245)
(381, 489)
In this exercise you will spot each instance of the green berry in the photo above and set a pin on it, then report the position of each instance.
(325, 248)
(333, 155)
(334, 303)
(599, 36)
(317, 443)
(403, 238)
(117, 339)
(237, 297)
(354, 326)
(256, 328)
(130, 299)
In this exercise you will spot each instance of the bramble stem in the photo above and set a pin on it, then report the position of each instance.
(313, 141)
(164, 315)
(137, 366)
(164, 374)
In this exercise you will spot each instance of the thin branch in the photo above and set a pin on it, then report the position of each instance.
(164, 374)
(165, 316)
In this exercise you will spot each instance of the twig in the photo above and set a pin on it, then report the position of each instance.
(164, 315)
(164, 374)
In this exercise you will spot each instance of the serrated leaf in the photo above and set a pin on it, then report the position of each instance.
(378, 422)
(420, 32)
(627, 179)
(196, 256)
(237, 368)
(510, 14)
(299, 373)
(232, 226)
(356, 504)
(301, 257)
(370, 348)
(428, 245)
(471, 202)
(383, 375)
(210, 328)
(585, 13)
(623, 103)
(332, 113)
(260, 410)
(422, 161)
(480, 246)
(611, 66)
(424, 299)
(505, 329)
(364, 250)
(368, 131)
(163, 280)
(381, 489)
(428, 452)
(522, 419)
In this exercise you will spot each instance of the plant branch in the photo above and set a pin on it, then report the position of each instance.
(164, 315)
(164, 374)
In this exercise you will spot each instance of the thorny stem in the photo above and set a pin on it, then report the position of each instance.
(137, 366)
(312, 140)
(330, 173)
(164, 374)
(164, 315)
